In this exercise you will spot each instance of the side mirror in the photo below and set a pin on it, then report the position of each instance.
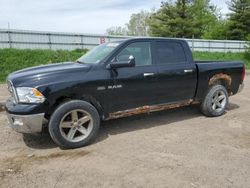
(129, 63)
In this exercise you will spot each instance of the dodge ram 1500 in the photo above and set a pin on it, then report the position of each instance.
(114, 80)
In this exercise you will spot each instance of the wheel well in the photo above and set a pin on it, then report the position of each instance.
(222, 79)
(88, 99)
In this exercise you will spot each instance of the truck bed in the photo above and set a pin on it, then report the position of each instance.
(206, 69)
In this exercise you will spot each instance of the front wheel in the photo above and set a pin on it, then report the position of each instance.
(215, 102)
(74, 124)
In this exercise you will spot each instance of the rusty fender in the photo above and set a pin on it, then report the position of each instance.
(221, 76)
(148, 109)
(226, 78)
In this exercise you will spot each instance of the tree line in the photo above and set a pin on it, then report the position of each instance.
(190, 19)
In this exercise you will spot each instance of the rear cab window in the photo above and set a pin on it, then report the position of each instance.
(169, 52)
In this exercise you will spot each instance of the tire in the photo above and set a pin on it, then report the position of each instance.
(74, 124)
(215, 102)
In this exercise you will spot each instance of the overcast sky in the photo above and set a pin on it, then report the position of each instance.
(84, 16)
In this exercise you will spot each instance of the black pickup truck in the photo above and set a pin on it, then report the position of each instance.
(114, 80)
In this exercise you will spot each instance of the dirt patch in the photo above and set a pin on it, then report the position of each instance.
(4, 94)
(16, 164)
(1, 107)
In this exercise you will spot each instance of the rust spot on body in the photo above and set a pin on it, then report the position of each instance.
(218, 77)
(147, 109)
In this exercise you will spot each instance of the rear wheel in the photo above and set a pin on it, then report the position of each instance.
(215, 102)
(74, 124)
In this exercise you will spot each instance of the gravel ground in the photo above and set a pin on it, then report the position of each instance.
(174, 148)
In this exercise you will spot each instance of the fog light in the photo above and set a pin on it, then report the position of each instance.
(17, 121)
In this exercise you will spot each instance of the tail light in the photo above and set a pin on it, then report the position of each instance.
(243, 73)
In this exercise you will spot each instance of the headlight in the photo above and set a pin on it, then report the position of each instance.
(10, 87)
(29, 95)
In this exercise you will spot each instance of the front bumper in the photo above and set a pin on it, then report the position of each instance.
(26, 123)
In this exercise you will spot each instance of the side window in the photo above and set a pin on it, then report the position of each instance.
(170, 52)
(141, 52)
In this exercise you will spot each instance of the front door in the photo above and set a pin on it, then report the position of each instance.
(134, 86)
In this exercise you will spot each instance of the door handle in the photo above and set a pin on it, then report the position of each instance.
(188, 70)
(147, 74)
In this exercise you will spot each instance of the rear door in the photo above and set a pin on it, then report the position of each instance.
(177, 75)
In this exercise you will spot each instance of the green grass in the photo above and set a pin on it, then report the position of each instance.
(222, 56)
(16, 59)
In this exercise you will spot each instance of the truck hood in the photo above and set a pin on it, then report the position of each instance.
(47, 73)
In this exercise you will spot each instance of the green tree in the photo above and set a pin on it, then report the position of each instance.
(239, 19)
(171, 20)
(183, 18)
(204, 17)
(217, 31)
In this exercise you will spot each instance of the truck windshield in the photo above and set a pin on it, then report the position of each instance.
(98, 53)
